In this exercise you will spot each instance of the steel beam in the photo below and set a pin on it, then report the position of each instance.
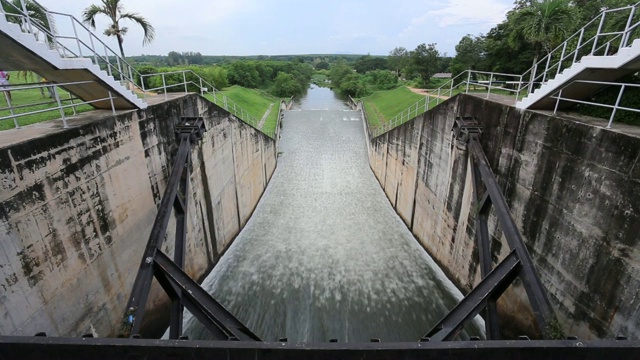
(225, 326)
(533, 285)
(491, 287)
(144, 277)
(116, 349)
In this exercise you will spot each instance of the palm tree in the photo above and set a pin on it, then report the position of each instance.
(115, 11)
(543, 24)
(36, 13)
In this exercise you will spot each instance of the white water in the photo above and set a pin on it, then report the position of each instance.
(325, 255)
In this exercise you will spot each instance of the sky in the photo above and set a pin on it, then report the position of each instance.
(286, 27)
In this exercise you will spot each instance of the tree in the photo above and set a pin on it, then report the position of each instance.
(114, 10)
(425, 61)
(37, 14)
(369, 63)
(338, 72)
(398, 59)
(544, 24)
(470, 53)
(286, 85)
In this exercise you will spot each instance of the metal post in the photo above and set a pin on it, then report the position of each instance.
(73, 107)
(57, 96)
(113, 107)
(93, 49)
(519, 89)
(75, 32)
(106, 54)
(564, 49)
(575, 56)
(595, 40)
(489, 88)
(164, 86)
(625, 35)
(15, 120)
(615, 108)
(201, 88)
(438, 101)
(468, 81)
(555, 110)
(184, 80)
(26, 15)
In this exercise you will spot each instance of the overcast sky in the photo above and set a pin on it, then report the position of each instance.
(278, 27)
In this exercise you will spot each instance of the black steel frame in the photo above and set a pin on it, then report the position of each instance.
(181, 289)
(494, 282)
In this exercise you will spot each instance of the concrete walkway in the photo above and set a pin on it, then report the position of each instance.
(28, 132)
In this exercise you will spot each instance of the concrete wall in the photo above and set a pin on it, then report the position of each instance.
(77, 206)
(571, 187)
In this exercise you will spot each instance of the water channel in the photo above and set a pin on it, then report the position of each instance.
(325, 255)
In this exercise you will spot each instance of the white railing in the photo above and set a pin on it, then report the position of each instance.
(595, 38)
(79, 42)
(614, 107)
(466, 82)
(57, 103)
(185, 78)
(603, 36)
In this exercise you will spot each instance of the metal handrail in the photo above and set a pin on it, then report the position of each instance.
(118, 68)
(466, 78)
(205, 87)
(60, 102)
(614, 108)
(563, 53)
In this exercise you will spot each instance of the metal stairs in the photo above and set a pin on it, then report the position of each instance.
(22, 51)
(592, 59)
(599, 69)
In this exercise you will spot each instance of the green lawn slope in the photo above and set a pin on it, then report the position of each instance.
(382, 106)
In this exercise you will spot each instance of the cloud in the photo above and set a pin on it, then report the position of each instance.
(461, 12)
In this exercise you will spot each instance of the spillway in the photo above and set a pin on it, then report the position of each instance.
(324, 255)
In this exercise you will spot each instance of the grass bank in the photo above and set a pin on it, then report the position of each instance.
(27, 101)
(255, 102)
(384, 105)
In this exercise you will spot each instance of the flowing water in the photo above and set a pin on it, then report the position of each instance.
(325, 255)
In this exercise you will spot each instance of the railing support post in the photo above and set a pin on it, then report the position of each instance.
(113, 107)
(615, 108)
(57, 96)
(15, 120)
(184, 80)
(164, 86)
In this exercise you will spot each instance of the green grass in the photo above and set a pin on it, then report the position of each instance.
(25, 101)
(255, 102)
(384, 105)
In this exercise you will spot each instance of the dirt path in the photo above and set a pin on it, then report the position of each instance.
(425, 92)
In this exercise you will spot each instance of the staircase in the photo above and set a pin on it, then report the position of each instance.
(579, 68)
(55, 62)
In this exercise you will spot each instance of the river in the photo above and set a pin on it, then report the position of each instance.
(325, 256)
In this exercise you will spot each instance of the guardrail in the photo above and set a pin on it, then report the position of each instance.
(59, 103)
(614, 107)
(80, 42)
(469, 81)
(595, 38)
(187, 78)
